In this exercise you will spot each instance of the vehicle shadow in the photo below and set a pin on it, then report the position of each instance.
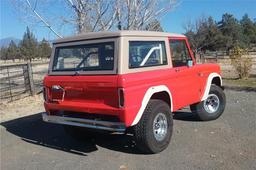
(33, 130)
(185, 115)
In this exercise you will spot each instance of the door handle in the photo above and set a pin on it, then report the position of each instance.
(200, 74)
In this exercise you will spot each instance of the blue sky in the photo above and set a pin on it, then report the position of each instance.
(13, 26)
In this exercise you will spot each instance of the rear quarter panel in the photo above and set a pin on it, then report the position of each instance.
(135, 87)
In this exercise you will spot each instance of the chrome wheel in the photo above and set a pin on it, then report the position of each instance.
(160, 126)
(212, 103)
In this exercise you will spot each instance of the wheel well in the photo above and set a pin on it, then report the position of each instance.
(164, 96)
(216, 81)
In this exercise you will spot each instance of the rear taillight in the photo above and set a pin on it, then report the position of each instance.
(121, 97)
(57, 93)
(45, 94)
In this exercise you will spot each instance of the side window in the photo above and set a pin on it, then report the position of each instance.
(147, 53)
(179, 53)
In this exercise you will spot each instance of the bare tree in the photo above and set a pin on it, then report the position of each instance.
(90, 16)
(137, 14)
(102, 15)
(97, 15)
(35, 13)
(42, 19)
(189, 25)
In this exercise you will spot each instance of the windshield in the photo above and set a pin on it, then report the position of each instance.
(88, 57)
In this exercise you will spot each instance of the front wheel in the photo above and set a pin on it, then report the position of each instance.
(154, 130)
(213, 106)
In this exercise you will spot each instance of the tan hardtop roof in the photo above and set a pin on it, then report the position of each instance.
(96, 35)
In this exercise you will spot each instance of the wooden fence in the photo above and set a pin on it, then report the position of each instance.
(20, 80)
(223, 59)
(214, 56)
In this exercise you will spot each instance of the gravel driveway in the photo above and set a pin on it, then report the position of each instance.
(226, 143)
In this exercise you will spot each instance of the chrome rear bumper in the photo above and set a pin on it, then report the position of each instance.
(88, 123)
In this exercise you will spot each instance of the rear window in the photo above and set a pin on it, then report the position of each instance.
(147, 53)
(88, 57)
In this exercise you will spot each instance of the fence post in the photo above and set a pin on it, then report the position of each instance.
(9, 82)
(30, 78)
(26, 78)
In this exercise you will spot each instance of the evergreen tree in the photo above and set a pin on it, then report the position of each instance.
(212, 35)
(3, 53)
(249, 29)
(28, 46)
(232, 32)
(12, 51)
(44, 49)
(206, 34)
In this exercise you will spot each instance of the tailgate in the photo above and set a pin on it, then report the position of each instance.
(82, 90)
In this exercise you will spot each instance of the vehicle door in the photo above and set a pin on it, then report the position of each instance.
(184, 76)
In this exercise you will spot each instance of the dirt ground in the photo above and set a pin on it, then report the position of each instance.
(226, 143)
(21, 108)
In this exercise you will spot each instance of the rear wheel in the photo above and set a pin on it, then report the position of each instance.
(213, 106)
(153, 132)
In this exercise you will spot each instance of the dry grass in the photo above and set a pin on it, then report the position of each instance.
(250, 82)
(20, 108)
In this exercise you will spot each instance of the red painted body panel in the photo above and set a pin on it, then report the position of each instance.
(186, 86)
(92, 94)
(98, 94)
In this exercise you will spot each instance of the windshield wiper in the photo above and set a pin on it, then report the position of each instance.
(78, 67)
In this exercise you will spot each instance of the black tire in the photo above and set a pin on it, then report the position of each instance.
(81, 133)
(144, 133)
(201, 108)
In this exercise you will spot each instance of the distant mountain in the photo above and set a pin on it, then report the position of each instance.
(6, 41)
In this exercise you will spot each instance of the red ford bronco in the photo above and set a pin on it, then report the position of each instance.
(123, 80)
